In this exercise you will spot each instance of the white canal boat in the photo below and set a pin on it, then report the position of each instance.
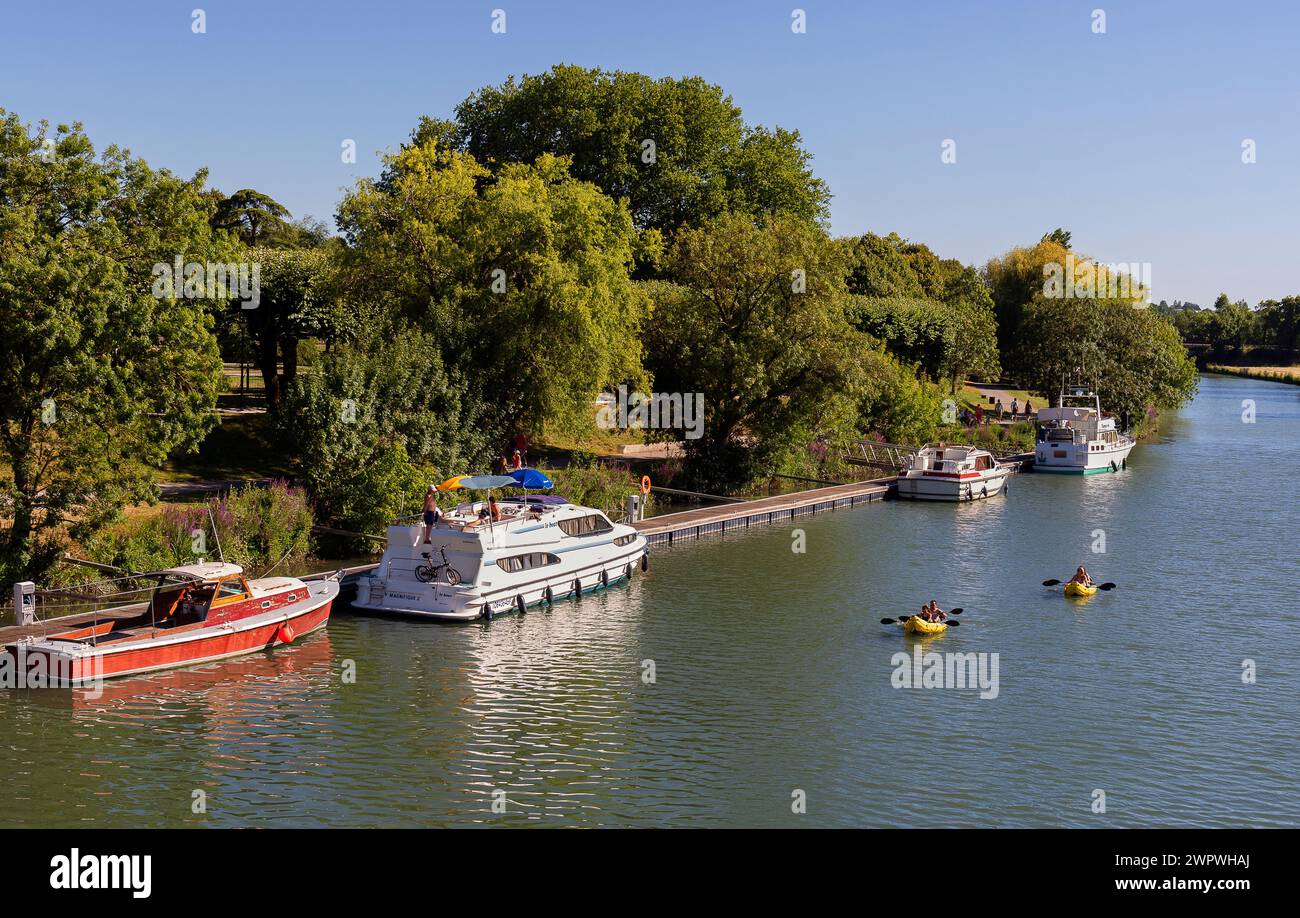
(1076, 437)
(542, 549)
(952, 473)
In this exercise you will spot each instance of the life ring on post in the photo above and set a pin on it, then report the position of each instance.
(645, 484)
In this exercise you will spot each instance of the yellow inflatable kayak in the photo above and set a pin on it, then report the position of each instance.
(915, 625)
(1078, 589)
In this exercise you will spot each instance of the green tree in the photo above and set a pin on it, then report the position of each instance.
(524, 279)
(99, 379)
(941, 299)
(756, 323)
(375, 421)
(677, 150)
(1132, 354)
(297, 299)
(250, 215)
(1232, 321)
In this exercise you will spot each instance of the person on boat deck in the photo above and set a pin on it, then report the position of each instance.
(431, 512)
(1081, 576)
(491, 512)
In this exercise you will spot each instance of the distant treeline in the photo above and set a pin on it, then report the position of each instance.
(1270, 331)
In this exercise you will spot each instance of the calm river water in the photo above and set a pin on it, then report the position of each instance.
(772, 678)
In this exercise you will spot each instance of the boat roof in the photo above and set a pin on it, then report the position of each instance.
(206, 570)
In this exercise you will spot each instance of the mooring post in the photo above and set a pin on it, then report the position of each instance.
(25, 602)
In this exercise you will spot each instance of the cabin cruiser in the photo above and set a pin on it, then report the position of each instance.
(952, 473)
(196, 613)
(1077, 437)
(541, 549)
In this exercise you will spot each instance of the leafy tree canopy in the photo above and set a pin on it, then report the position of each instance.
(755, 321)
(523, 280)
(677, 150)
(99, 378)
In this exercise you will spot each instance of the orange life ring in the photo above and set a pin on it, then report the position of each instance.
(645, 484)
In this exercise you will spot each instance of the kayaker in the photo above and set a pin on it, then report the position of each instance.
(1081, 576)
(924, 614)
(936, 614)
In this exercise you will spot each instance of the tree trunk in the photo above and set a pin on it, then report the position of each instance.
(267, 363)
(289, 348)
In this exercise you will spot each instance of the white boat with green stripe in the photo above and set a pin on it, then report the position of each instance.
(1077, 438)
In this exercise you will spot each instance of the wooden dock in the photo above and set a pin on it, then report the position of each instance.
(11, 633)
(694, 524)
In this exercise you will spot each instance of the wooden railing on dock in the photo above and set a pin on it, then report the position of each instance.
(692, 524)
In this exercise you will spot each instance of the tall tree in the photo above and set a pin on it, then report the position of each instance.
(677, 150)
(523, 280)
(1132, 354)
(251, 215)
(99, 378)
(756, 323)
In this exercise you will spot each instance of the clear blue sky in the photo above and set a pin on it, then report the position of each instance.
(1131, 139)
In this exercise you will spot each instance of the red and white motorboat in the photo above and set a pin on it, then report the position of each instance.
(952, 473)
(196, 614)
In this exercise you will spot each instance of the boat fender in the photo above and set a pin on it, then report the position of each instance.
(984, 491)
(1123, 463)
(604, 577)
(577, 587)
(547, 596)
(521, 604)
(284, 634)
(1113, 466)
(645, 561)
(627, 571)
(487, 611)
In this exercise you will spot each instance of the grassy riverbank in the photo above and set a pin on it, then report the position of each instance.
(1289, 375)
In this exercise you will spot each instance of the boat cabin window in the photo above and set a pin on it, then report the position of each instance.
(982, 463)
(517, 563)
(591, 524)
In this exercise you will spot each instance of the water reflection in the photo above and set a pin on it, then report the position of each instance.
(771, 672)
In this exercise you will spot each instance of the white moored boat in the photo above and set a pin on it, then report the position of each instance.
(1077, 437)
(543, 549)
(952, 473)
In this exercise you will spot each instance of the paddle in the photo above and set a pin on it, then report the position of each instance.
(1100, 586)
(899, 621)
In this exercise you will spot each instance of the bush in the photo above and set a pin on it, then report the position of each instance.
(257, 528)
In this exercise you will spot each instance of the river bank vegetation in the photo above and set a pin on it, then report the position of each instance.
(560, 236)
